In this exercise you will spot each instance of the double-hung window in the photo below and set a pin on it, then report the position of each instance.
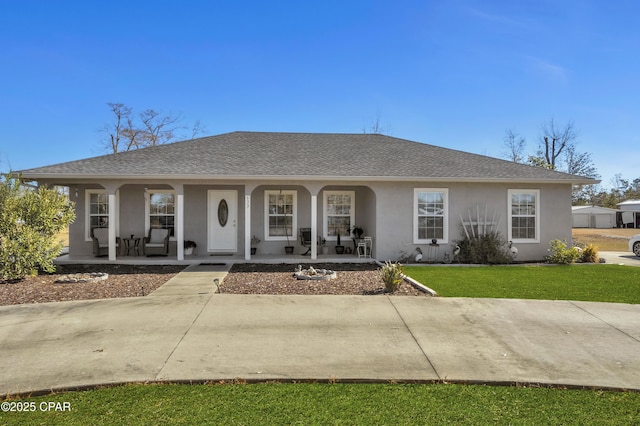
(280, 211)
(161, 210)
(524, 215)
(430, 215)
(97, 211)
(339, 213)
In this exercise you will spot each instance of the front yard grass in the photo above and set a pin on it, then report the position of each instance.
(367, 404)
(596, 283)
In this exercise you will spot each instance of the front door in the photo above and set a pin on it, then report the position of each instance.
(223, 221)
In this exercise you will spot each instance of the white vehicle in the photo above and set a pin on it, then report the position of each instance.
(634, 244)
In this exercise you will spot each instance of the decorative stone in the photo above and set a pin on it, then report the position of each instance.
(83, 277)
(314, 274)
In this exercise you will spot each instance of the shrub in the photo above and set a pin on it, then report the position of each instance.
(29, 222)
(391, 274)
(489, 248)
(590, 254)
(561, 254)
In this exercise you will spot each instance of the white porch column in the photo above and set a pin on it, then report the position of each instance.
(180, 226)
(314, 226)
(179, 220)
(247, 226)
(112, 225)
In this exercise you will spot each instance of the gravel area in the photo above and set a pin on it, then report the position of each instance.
(138, 280)
(352, 279)
(123, 281)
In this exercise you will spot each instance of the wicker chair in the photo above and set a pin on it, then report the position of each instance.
(100, 237)
(157, 243)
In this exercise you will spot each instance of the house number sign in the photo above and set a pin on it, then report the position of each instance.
(223, 212)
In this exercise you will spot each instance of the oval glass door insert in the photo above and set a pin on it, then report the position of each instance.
(223, 212)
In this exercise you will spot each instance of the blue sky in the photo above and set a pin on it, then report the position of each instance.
(454, 73)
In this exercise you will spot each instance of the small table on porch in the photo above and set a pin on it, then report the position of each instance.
(364, 243)
(131, 244)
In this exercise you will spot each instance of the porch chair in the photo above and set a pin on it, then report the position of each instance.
(157, 242)
(305, 239)
(100, 237)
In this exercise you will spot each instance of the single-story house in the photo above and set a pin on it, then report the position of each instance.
(630, 213)
(593, 217)
(221, 191)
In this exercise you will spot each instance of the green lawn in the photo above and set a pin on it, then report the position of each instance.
(600, 283)
(328, 404)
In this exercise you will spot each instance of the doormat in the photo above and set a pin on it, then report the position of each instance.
(212, 264)
(221, 254)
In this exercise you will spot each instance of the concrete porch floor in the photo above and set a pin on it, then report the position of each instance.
(200, 259)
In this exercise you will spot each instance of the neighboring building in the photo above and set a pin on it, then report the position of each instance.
(630, 216)
(593, 217)
(219, 191)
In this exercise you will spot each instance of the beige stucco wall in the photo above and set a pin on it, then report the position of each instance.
(383, 209)
(395, 215)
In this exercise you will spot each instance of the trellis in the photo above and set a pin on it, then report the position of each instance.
(481, 225)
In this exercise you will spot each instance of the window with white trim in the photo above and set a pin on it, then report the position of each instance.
(339, 213)
(97, 211)
(430, 215)
(161, 210)
(281, 215)
(524, 215)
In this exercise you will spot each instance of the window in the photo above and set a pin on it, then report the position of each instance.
(280, 211)
(524, 219)
(430, 211)
(97, 211)
(339, 213)
(161, 210)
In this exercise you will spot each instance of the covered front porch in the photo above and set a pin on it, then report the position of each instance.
(224, 220)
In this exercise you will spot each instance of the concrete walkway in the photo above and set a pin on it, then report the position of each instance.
(184, 331)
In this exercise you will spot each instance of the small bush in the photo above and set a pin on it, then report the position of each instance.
(562, 255)
(30, 219)
(391, 274)
(590, 254)
(489, 248)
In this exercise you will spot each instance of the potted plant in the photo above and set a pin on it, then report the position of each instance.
(339, 247)
(254, 243)
(325, 247)
(288, 249)
(357, 231)
(189, 246)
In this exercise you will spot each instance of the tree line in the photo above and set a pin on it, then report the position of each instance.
(557, 149)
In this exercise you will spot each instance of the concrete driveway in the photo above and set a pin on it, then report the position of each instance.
(620, 258)
(194, 334)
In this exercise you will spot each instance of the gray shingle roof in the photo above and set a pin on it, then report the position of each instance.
(316, 155)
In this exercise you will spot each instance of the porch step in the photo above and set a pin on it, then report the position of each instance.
(194, 280)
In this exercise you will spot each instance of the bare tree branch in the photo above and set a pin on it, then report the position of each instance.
(150, 128)
(158, 129)
(514, 145)
(376, 127)
(197, 129)
(556, 140)
(116, 130)
(580, 163)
